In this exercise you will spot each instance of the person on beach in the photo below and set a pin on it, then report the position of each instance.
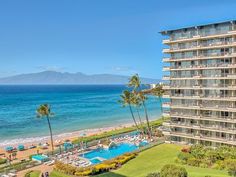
(42, 175)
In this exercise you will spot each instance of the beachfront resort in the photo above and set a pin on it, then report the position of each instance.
(195, 137)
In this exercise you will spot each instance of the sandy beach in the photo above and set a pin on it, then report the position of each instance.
(60, 137)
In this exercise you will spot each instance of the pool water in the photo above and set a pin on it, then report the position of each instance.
(95, 161)
(106, 154)
(41, 158)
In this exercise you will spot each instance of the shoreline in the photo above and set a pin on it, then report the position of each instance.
(62, 136)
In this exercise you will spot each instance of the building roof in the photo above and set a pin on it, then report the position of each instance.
(197, 26)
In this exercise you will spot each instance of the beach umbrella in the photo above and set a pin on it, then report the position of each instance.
(21, 147)
(9, 148)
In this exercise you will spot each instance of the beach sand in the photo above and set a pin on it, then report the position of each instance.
(61, 137)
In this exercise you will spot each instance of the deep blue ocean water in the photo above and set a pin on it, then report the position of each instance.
(75, 107)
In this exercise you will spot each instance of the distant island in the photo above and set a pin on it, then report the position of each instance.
(53, 77)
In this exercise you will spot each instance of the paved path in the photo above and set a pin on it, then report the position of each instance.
(42, 168)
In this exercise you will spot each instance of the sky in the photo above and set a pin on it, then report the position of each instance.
(96, 36)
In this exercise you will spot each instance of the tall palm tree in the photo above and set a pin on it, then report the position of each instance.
(158, 92)
(136, 102)
(44, 110)
(136, 84)
(127, 98)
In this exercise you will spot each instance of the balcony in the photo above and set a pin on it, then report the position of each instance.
(166, 50)
(166, 78)
(165, 41)
(202, 117)
(204, 107)
(201, 47)
(166, 59)
(166, 114)
(203, 67)
(190, 135)
(166, 68)
(202, 77)
(166, 105)
(166, 86)
(204, 57)
(200, 37)
(166, 96)
(204, 97)
(189, 87)
(167, 124)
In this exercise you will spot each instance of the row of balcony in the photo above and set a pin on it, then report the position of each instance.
(199, 67)
(199, 47)
(199, 37)
(200, 77)
(206, 105)
(201, 97)
(198, 87)
(229, 141)
(201, 57)
(228, 119)
(228, 108)
(195, 126)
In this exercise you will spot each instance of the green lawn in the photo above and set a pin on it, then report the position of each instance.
(35, 173)
(57, 174)
(153, 159)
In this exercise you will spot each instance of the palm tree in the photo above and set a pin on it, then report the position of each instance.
(136, 84)
(127, 98)
(44, 110)
(159, 92)
(137, 103)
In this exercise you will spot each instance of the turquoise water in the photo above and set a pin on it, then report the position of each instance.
(109, 153)
(75, 108)
(41, 158)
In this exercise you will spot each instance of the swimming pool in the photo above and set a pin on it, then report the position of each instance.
(96, 155)
(41, 158)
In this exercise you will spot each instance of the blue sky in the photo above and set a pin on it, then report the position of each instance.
(96, 36)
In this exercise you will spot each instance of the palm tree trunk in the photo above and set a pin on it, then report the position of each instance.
(140, 120)
(50, 128)
(161, 107)
(131, 111)
(147, 119)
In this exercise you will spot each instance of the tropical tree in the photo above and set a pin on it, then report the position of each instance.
(136, 102)
(127, 99)
(44, 110)
(135, 83)
(158, 92)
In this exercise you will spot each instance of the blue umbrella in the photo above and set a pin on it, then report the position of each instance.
(9, 148)
(21, 147)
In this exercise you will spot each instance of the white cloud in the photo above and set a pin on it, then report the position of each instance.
(127, 70)
(51, 68)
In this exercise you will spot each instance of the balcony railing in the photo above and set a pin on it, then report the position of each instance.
(199, 67)
(201, 57)
(201, 76)
(196, 136)
(188, 37)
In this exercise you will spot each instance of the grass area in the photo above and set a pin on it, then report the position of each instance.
(58, 174)
(152, 160)
(34, 173)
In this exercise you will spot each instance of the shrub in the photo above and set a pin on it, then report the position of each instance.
(193, 162)
(173, 171)
(231, 167)
(105, 166)
(184, 157)
(156, 174)
(2, 161)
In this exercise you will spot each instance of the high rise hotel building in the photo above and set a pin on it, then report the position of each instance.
(201, 84)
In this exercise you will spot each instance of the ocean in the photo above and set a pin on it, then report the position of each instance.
(76, 107)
